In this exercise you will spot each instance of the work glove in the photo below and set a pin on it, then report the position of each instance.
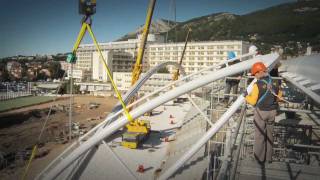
(244, 93)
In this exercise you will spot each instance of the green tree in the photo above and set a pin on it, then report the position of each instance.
(55, 69)
(163, 70)
(65, 88)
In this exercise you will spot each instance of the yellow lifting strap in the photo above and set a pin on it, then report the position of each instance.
(34, 150)
(79, 38)
(75, 47)
(126, 112)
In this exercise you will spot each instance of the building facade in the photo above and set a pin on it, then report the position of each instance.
(198, 55)
(79, 75)
(123, 81)
(120, 57)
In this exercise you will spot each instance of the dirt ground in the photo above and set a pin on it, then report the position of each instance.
(21, 133)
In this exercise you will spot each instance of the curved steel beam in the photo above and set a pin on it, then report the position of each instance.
(213, 130)
(134, 89)
(115, 114)
(149, 105)
(307, 91)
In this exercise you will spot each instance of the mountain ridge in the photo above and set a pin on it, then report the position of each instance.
(289, 25)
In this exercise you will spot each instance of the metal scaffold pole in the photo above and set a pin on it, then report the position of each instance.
(70, 101)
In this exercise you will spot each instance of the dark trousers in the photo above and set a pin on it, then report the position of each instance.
(263, 144)
(229, 85)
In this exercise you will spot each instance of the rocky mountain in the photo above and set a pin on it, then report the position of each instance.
(290, 25)
(157, 26)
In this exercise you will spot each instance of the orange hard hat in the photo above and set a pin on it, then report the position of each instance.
(257, 67)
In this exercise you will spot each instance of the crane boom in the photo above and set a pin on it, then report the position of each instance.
(138, 65)
(176, 74)
(138, 130)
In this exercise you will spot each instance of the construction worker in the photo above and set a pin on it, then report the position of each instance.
(232, 82)
(264, 97)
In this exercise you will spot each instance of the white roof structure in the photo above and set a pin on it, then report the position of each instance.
(101, 157)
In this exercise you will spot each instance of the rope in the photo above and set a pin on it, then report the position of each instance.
(35, 147)
(271, 91)
(29, 162)
(265, 93)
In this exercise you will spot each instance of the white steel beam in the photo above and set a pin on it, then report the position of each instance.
(212, 131)
(53, 173)
(309, 92)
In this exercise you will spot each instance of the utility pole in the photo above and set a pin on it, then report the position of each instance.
(70, 101)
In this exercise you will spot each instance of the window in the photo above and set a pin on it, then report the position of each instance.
(220, 52)
(219, 47)
(230, 47)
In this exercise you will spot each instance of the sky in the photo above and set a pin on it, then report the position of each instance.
(31, 27)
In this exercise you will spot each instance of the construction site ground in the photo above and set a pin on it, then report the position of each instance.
(20, 129)
(174, 128)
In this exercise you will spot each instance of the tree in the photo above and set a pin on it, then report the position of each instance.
(65, 88)
(163, 70)
(55, 69)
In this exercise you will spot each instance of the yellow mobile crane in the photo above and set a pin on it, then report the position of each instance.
(138, 130)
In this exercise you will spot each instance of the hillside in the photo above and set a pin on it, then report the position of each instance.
(157, 26)
(283, 25)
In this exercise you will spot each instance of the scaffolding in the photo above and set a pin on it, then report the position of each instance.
(234, 142)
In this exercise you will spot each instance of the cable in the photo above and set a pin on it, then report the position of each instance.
(35, 147)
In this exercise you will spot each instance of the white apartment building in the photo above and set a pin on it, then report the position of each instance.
(96, 89)
(198, 54)
(99, 71)
(120, 56)
(78, 74)
(123, 81)
(88, 58)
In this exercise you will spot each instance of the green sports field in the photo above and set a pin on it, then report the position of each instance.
(23, 102)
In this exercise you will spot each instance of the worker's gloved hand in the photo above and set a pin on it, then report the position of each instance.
(244, 93)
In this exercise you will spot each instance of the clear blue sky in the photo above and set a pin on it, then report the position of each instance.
(32, 27)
